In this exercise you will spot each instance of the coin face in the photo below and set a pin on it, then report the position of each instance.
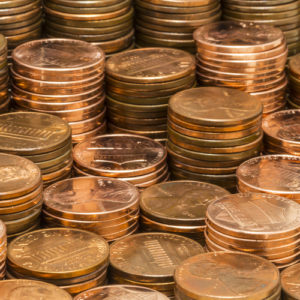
(290, 281)
(231, 275)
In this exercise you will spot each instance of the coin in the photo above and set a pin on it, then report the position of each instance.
(289, 282)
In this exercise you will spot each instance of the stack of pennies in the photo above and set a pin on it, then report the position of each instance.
(282, 132)
(272, 174)
(245, 56)
(64, 78)
(108, 207)
(21, 194)
(120, 292)
(20, 21)
(41, 138)
(290, 282)
(149, 259)
(178, 207)
(165, 23)
(3, 249)
(211, 131)
(104, 23)
(262, 224)
(75, 260)
(4, 76)
(283, 14)
(132, 158)
(227, 275)
(294, 82)
(139, 84)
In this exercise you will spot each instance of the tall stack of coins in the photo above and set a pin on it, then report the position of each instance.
(135, 159)
(21, 194)
(4, 77)
(271, 174)
(41, 138)
(282, 14)
(211, 130)
(75, 260)
(178, 207)
(227, 275)
(164, 23)
(290, 282)
(20, 21)
(149, 259)
(139, 84)
(261, 224)
(294, 82)
(108, 207)
(245, 56)
(281, 132)
(107, 24)
(62, 77)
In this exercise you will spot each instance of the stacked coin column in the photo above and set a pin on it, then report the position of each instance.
(294, 82)
(64, 78)
(139, 84)
(245, 56)
(4, 77)
(107, 24)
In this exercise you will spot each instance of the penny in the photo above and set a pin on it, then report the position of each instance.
(289, 282)
(64, 171)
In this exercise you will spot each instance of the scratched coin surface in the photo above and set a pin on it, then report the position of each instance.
(290, 282)
(150, 65)
(180, 202)
(254, 215)
(86, 198)
(214, 106)
(151, 255)
(57, 253)
(17, 289)
(229, 275)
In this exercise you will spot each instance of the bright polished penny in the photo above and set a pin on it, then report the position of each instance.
(290, 282)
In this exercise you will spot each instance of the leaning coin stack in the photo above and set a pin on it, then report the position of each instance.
(108, 207)
(139, 84)
(294, 82)
(245, 56)
(67, 80)
(211, 130)
(164, 23)
(104, 23)
(132, 158)
(257, 223)
(149, 259)
(282, 132)
(41, 138)
(271, 174)
(227, 275)
(75, 260)
(290, 283)
(4, 76)
(178, 207)
(21, 194)
(283, 14)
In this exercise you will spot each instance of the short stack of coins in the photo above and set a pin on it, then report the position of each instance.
(282, 132)
(75, 260)
(107, 24)
(108, 207)
(271, 174)
(178, 207)
(164, 23)
(278, 13)
(20, 21)
(132, 158)
(139, 84)
(290, 283)
(211, 130)
(4, 77)
(227, 275)
(41, 138)
(262, 224)
(21, 194)
(149, 259)
(294, 82)
(245, 56)
(64, 78)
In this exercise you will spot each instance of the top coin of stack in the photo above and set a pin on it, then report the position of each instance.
(4, 77)
(227, 275)
(294, 82)
(139, 84)
(282, 132)
(136, 159)
(105, 23)
(290, 283)
(64, 78)
(41, 138)
(245, 56)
